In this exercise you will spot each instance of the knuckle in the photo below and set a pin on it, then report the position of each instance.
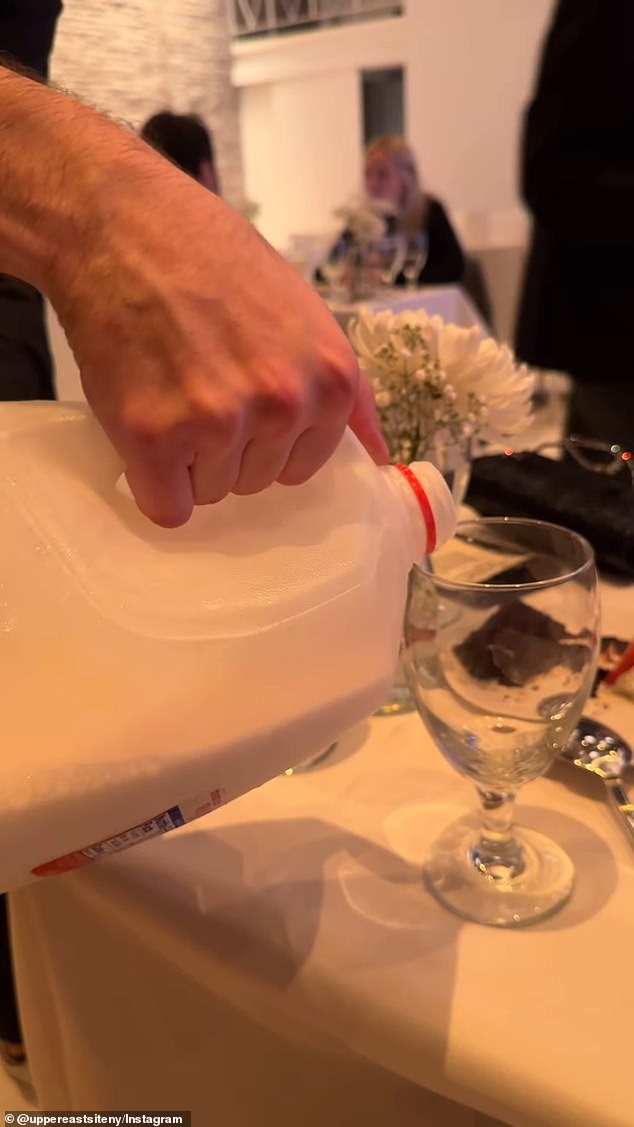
(220, 419)
(219, 428)
(189, 423)
(338, 386)
(281, 407)
(143, 426)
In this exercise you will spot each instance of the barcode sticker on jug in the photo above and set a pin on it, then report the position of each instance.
(161, 824)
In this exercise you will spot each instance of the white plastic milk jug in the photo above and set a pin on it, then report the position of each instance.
(149, 675)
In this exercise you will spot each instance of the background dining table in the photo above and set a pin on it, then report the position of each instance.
(449, 302)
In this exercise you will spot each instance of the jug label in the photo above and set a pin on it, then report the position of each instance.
(161, 824)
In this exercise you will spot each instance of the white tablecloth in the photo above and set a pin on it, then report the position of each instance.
(449, 302)
(279, 962)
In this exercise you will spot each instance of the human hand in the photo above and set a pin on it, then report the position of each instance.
(211, 365)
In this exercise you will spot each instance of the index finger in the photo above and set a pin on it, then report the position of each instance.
(365, 424)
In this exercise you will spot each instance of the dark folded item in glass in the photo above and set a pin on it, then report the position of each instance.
(518, 643)
(596, 505)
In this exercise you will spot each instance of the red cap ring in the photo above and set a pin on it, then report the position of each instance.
(424, 505)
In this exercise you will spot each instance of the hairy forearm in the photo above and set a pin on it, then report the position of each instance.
(59, 162)
(85, 202)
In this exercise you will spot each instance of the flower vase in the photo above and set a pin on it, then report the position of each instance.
(453, 461)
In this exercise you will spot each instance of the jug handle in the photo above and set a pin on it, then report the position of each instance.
(68, 437)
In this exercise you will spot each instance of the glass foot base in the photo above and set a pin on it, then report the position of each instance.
(452, 876)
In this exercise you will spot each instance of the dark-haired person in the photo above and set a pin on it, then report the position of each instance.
(185, 140)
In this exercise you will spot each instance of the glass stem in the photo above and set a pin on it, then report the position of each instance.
(496, 853)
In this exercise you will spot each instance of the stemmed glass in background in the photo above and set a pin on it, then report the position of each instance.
(390, 252)
(416, 253)
(501, 640)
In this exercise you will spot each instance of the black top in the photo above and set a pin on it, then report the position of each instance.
(445, 263)
(577, 171)
(27, 28)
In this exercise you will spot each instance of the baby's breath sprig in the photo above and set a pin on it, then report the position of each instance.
(436, 382)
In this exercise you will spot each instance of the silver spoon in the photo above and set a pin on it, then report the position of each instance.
(600, 750)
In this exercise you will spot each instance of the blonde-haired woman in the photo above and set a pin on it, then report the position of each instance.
(391, 179)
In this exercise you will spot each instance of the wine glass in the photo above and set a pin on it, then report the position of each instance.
(500, 648)
(391, 253)
(416, 253)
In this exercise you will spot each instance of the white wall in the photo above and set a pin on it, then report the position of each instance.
(300, 112)
(469, 70)
(298, 185)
